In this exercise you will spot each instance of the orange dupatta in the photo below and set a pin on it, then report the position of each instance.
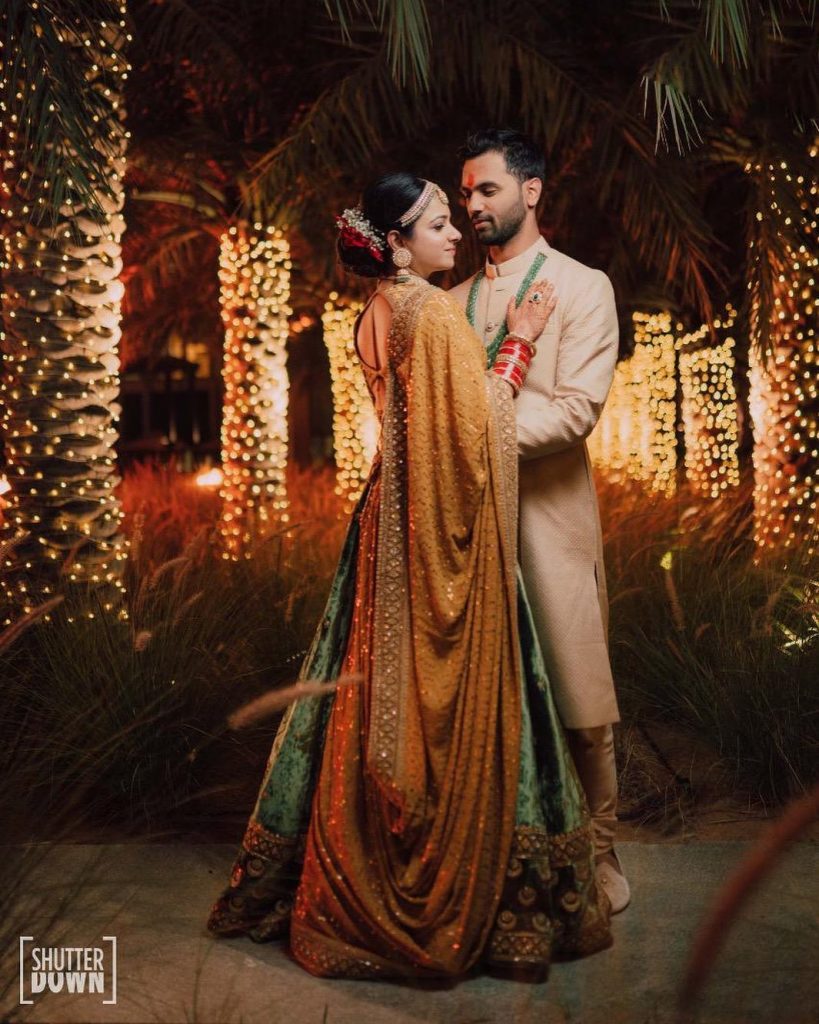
(414, 812)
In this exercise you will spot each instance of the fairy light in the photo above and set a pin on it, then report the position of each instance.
(210, 478)
(59, 385)
(254, 274)
(609, 444)
(784, 396)
(635, 437)
(355, 426)
(709, 406)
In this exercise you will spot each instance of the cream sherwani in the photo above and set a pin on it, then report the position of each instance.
(561, 546)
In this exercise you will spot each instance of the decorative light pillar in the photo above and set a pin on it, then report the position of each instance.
(60, 304)
(254, 273)
(355, 426)
(709, 407)
(635, 436)
(784, 392)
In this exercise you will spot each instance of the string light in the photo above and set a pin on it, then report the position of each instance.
(355, 426)
(709, 407)
(635, 437)
(210, 478)
(61, 317)
(784, 398)
(254, 274)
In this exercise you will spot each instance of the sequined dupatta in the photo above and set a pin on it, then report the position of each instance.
(447, 524)
(427, 830)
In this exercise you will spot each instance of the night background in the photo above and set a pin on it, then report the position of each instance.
(184, 429)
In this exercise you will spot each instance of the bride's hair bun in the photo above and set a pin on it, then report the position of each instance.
(362, 232)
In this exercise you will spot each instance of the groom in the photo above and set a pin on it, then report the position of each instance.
(561, 549)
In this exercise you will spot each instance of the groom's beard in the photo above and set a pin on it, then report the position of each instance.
(499, 231)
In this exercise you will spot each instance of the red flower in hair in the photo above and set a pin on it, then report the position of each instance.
(357, 233)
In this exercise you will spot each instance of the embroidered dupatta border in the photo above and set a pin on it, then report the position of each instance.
(504, 435)
(391, 616)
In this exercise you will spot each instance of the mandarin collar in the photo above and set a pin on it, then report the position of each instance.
(517, 264)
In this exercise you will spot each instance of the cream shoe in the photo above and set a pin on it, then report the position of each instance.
(609, 875)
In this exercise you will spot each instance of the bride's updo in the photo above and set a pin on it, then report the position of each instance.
(362, 232)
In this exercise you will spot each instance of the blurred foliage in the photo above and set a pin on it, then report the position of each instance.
(711, 638)
(122, 724)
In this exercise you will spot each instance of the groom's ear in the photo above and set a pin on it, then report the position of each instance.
(532, 189)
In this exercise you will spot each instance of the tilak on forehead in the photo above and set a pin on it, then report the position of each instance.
(470, 180)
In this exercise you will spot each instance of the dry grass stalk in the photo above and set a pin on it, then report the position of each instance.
(276, 700)
(758, 863)
(10, 633)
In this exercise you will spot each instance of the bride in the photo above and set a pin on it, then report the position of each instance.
(429, 818)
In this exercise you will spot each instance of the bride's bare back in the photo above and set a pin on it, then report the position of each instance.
(371, 333)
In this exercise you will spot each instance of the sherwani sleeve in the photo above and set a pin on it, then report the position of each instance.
(587, 355)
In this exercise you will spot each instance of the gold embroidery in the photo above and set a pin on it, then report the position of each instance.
(558, 906)
(520, 948)
(259, 899)
(504, 427)
(327, 958)
(260, 842)
(391, 626)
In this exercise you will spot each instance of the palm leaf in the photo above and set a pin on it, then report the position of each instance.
(727, 30)
(210, 29)
(684, 81)
(63, 124)
(407, 33)
(690, 71)
(339, 135)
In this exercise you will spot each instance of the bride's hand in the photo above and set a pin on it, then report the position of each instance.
(531, 316)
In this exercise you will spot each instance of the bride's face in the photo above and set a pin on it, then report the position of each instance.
(433, 240)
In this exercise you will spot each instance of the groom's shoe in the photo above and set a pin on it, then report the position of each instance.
(609, 875)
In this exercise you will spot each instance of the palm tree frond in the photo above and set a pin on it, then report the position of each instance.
(189, 202)
(59, 128)
(727, 30)
(406, 27)
(408, 39)
(210, 29)
(338, 136)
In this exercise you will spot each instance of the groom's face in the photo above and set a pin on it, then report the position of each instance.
(494, 198)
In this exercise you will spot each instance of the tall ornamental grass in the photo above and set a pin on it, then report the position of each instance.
(712, 638)
(121, 725)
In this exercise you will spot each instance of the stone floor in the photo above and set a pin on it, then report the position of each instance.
(155, 899)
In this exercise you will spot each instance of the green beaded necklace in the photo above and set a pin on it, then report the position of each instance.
(494, 347)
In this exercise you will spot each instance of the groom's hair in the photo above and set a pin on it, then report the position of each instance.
(523, 158)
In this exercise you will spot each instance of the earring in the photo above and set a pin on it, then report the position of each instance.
(401, 258)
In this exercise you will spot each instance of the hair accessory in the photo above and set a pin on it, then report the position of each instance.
(356, 231)
(429, 190)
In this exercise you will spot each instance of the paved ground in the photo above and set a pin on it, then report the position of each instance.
(155, 899)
